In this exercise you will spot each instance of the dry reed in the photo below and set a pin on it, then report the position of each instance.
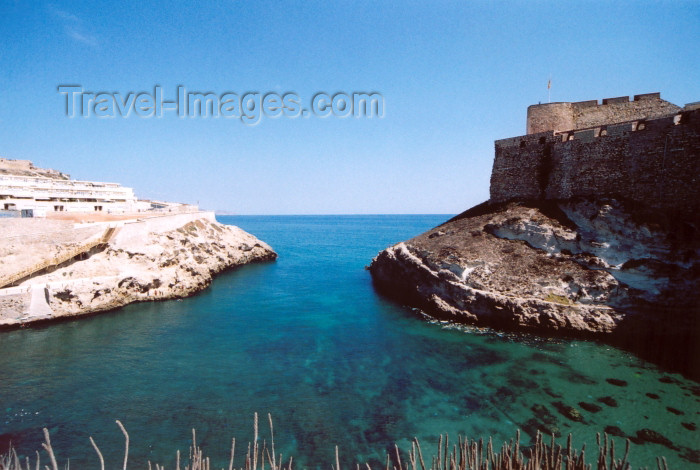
(464, 455)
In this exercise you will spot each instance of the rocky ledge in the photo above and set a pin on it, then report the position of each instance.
(139, 264)
(582, 268)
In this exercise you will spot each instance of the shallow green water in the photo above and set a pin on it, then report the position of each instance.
(307, 339)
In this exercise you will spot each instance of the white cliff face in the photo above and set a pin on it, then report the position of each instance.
(638, 255)
(583, 268)
(160, 264)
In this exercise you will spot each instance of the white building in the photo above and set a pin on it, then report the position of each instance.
(43, 195)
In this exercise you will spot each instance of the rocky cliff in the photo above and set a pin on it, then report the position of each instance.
(592, 229)
(142, 263)
(581, 267)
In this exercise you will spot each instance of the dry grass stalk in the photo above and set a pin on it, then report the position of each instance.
(99, 454)
(126, 436)
(464, 455)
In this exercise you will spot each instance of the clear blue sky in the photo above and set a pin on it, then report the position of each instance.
(455, 76)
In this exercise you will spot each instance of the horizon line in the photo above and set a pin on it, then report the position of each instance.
(224, 213)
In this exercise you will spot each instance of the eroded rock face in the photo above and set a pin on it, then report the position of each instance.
(168, 265)
(579, 267)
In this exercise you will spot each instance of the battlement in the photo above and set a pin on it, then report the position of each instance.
(586, 114)
(590, 133)
(653, 161)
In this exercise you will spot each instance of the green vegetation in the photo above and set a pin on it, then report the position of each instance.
(465, 454)
(559, 299)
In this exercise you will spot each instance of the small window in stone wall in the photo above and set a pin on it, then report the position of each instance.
(543, 140)
(522, 144)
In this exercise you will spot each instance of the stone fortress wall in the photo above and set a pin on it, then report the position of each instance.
(584, 114)
(644, 151)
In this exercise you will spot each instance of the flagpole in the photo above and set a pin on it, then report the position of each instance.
(549, 90)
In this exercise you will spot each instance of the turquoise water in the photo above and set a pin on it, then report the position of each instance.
(307, 339)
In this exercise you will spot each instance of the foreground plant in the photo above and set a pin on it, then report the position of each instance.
(464, 455)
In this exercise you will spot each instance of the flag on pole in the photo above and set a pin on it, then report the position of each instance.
(549, 84)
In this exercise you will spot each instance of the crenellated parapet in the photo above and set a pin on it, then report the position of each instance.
(586, 114)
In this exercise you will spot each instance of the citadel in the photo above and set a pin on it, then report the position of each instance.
(641, 151)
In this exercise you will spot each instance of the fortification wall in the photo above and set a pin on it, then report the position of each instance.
(584, 114)
(654, 163)
(519, 166)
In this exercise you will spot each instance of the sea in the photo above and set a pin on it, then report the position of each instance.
(307, 341)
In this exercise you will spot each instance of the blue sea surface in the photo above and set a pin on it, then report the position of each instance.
(307, 339)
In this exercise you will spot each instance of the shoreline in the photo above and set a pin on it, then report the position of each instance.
(48, 321)
(146, 259)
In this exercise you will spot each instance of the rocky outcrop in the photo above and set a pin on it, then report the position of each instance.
(579, 267)
(27, 168)
(147, 265)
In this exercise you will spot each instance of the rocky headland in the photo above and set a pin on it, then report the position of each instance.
(144, 259)
(590, 234)
(583, 268)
